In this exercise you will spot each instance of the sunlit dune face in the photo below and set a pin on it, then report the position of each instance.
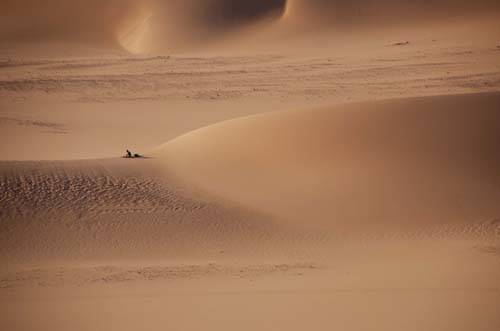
(132, 34)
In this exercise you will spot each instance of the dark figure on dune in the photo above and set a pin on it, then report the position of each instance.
(130, 155)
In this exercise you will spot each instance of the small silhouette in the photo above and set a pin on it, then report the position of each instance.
(130, 155)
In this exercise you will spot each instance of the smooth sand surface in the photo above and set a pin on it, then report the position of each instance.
(308, 165)
(411, 163)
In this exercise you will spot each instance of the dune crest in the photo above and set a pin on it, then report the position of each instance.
(411, 164)
(146, 25)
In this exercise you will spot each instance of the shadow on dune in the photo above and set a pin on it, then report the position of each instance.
(397, 165)
(167, 24)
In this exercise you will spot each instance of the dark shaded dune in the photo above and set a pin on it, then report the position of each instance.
(111, 23)
(229, 12)
(169, 24)
(247, 10)
(193, 23)
(198, 15)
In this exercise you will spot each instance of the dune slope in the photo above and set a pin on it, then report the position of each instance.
(384, 167)
(113, 210)
(145, 25)
(335, 12)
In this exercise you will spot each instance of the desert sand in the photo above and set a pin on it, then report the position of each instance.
(320, 164)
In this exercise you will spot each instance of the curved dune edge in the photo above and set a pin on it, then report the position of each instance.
(110, 238)
(376, 168)
(147, 25)
(280, 184)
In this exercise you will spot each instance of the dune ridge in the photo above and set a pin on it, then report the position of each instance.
(421, 168)
(145, 25)
(410, 163)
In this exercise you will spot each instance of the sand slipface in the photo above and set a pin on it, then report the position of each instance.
(411, 164)
(166, 25)
(305, 165)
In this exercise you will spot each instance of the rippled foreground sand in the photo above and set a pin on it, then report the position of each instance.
(295, 176)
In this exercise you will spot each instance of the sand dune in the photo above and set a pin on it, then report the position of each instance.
(410, 164)
(310, 164)
(114, 210)
(130, 23)
(418, 168)
(379, 207)
(344, 12)
(71, 21)
(145, 25)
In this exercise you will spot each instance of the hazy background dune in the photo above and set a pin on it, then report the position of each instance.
(145, 25)
(344, 12)
(71, 21)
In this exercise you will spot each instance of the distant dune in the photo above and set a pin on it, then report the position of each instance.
(141, 25)
(335, 12)
(94, 21)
